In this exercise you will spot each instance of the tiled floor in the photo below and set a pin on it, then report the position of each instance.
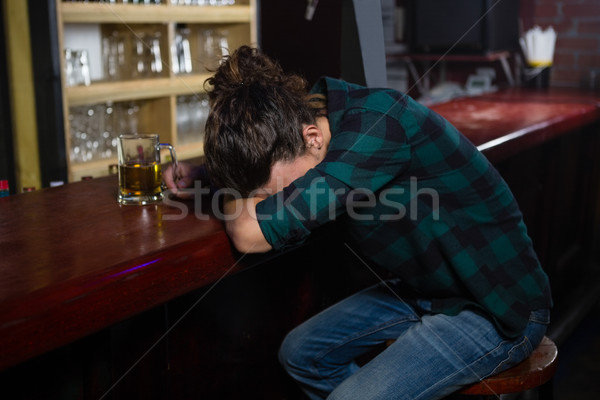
(578, 374)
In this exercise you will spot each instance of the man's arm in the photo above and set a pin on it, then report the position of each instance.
(184, 177)
(242, 226)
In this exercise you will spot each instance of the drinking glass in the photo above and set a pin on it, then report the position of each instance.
(140, 170)
(77, 67)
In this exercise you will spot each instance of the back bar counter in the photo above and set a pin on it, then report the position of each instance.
(77, 269)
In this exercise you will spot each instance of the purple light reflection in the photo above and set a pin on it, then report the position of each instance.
(132, 269)
(101, 280)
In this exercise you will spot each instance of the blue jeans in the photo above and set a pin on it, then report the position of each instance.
(432, 356)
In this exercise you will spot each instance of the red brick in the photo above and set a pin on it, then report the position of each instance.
(565, 2)
(546, 11)
(573, 44)
(589, 27)
(564, 58)
(562, 27)
(567, 77)
(581, 10)
(552, 2)
(565, 73)
(526, 13)
(588, 60)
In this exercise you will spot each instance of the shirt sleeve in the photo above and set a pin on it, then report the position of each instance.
(288, 217)
(364, 156)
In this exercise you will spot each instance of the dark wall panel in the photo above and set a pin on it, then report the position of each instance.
(48, 92)
(311, 48)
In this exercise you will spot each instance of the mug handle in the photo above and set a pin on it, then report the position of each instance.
(173, 158)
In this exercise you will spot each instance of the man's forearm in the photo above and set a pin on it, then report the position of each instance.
(242, 226)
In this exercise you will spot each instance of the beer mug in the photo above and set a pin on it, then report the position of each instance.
(140, 172)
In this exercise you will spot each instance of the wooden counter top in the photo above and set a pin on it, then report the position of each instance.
(73, 261)
(505, 123)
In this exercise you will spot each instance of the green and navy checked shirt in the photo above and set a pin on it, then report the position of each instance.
(418, 199)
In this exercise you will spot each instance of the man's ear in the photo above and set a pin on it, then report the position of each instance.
(313, 137)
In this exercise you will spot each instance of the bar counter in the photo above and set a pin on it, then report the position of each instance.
(508, 122)
(73, 261)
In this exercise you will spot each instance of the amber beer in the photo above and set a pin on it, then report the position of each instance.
(140, 172)
(140, 180)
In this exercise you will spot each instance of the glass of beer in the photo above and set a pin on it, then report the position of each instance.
(140, 171)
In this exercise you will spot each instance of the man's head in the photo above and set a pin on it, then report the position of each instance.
(257, 118)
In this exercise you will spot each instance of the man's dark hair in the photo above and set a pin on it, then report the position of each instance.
(256, 119)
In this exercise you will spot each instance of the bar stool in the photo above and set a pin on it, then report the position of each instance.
(536, 371)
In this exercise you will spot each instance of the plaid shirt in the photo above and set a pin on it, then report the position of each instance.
(418, 199)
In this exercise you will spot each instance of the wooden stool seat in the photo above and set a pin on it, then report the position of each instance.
(531, 373)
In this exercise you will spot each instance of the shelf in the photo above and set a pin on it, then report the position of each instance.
(155, 97)
(102, 92)
(190, 151)
(409, 58)
(158, 13)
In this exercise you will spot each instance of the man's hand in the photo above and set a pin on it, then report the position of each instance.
(242, 226)
(183, 178)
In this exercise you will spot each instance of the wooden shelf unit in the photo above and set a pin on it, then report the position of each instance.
(157, 96)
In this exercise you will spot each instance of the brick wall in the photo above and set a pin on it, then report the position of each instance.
(577, 23)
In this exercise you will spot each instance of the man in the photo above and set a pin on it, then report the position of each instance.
(415, 198)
